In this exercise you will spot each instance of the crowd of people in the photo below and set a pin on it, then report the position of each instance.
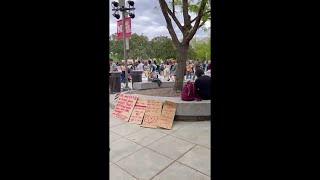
(166, 69)
(193, 66)
(199, 72)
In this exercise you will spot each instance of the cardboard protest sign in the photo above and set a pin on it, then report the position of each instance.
(167, 115)
(138, 111)
(124, 107)
(152, 114)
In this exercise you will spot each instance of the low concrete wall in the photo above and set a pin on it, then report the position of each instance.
(151, 85)
(196, 110)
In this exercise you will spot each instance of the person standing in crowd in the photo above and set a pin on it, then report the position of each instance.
(173, 72)
(166, 71)
(135, 64)
(189, 69)
(145, 65)
(202, 85)
(113, 66)
(118, 67)
(140, 66)
(155, 69)
(158, 66)
(170, 69)
(161, 69)
(149, 74)
(130, 68)
(200, 65)
(123, 74)
(205, 66)
(208, 72)
(195, 67)
(145, 68)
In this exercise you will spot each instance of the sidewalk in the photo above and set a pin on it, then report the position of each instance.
(139, 153)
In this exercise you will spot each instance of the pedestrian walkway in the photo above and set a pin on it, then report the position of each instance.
(138, 153)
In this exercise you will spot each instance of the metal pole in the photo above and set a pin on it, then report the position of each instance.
(124, 48)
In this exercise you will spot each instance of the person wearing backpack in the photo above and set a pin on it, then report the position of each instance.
(202, 85)
(188, 92)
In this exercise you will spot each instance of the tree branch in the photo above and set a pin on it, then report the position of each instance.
(173, 8)
(172, 15)
(197, 16)
(196, 25)
(186, 17)
(164, 9)
(194, 19)
(175, 20)
(203, 22)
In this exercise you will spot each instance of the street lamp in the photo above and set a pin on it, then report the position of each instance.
(120, 6)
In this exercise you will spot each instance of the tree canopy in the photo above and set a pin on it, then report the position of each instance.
(160, 48)
(202, 49)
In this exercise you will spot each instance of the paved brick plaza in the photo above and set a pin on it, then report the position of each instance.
(158, 154)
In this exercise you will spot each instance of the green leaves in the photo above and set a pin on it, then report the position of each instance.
(139, 47)
(202, 50)
(194, 8)
(160, 47)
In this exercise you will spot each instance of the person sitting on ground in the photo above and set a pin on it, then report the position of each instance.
(202, 85)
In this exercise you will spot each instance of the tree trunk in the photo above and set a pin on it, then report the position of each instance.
(181, 60)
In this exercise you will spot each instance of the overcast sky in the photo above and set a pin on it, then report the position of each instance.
(150, 22)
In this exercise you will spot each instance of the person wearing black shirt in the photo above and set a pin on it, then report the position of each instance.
(202, 85)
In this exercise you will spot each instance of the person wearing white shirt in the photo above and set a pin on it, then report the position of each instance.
(140, 66)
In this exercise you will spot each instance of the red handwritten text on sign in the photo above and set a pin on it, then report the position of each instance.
(124, 107)
(152, 114)
(138, 111)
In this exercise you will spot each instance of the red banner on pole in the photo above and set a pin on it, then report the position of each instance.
(127, 26)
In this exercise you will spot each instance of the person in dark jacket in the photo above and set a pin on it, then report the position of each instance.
(202, 85)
